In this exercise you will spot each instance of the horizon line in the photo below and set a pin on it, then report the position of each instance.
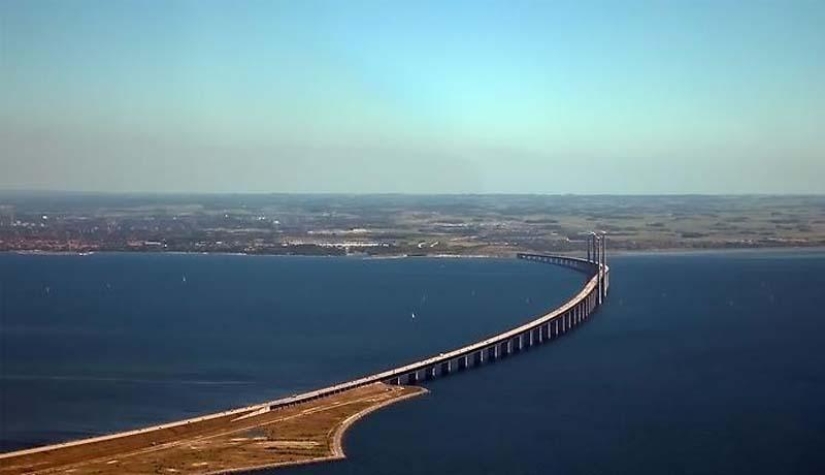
(8, 192)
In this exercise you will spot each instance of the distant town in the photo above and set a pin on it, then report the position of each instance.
(398, 225)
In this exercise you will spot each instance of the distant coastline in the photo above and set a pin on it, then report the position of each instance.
(400, 225)
(615, 252)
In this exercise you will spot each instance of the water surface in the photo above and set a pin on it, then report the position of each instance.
(700, 363)
(100, 343)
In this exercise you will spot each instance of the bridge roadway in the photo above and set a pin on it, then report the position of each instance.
(540, 330)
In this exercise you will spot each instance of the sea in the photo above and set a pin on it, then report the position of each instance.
(697, 363)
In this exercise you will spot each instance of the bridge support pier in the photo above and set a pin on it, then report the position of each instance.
(462, 362)
(429, 373)
(492, 353)
(446, 367)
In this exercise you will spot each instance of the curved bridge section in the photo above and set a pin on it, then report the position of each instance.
(541, 330)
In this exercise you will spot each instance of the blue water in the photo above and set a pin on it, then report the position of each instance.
(100, 343)
(698, 363)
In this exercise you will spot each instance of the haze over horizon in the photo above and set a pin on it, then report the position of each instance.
(647, 97)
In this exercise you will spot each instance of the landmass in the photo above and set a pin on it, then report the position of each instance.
(235, 441)
(402, 225)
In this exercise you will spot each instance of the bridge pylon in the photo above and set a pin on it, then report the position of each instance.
(597, 254)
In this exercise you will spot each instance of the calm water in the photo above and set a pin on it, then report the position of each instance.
(698, 363)
(101, 343)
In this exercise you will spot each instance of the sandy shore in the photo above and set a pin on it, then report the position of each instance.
(337, 438)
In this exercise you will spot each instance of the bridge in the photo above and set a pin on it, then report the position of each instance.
(540, 330)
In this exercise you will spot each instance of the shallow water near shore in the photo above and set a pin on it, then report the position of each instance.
(701, 363)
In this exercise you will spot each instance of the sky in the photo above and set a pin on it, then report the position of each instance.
(610, 97)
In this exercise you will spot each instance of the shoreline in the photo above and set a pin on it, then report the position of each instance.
(615, 252)
(715, 250)
(337, 445)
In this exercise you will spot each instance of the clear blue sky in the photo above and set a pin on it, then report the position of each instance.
(444, 96)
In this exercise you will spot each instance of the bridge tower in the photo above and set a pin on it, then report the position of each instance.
(598, 261)
(590, 247)
(594, 241)
(604, 266)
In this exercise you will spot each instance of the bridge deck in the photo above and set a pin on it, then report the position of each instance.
(570, 314)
